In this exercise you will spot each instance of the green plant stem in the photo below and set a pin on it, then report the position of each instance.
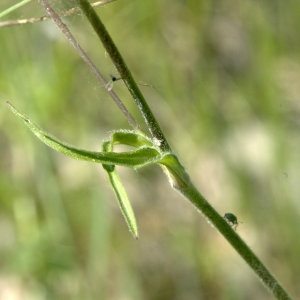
(125, 74)
(181, 182)
(191, 193)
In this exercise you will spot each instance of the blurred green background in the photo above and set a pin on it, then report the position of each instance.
(224, 82)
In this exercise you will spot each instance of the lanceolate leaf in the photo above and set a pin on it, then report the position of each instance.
(134, 159)
(145, 154)
(123, 202)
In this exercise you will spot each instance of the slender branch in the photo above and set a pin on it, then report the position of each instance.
(65, 30)
(237, 243)
(67, 13)
(181, 182)
(125, 74)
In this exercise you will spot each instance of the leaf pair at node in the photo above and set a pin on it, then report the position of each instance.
(146, 153)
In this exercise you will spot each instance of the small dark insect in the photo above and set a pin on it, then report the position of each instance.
(114, 78)
(110, 84)
(232, 220)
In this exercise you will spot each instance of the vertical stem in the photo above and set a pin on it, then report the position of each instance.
(125, 74)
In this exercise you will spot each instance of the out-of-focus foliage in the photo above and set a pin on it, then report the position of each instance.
(224, 83)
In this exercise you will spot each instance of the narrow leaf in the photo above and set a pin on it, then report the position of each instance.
(123, 202)
(131, 138)
(134, 159)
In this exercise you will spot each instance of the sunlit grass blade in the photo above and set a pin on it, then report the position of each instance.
(13, 7)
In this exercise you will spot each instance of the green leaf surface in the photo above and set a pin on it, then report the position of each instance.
(134, 159)
(123, 202)
(134, 139)
(130, 138)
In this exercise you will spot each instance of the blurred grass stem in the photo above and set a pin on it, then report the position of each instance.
(13, 7)
(67, 13)
(65, 30)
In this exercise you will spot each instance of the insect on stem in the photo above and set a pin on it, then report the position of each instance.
(232, 220)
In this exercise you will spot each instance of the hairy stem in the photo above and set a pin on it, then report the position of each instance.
(236, 242)
(125, 74)
(181, 181)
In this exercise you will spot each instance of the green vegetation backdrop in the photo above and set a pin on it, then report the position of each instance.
(224, 81)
